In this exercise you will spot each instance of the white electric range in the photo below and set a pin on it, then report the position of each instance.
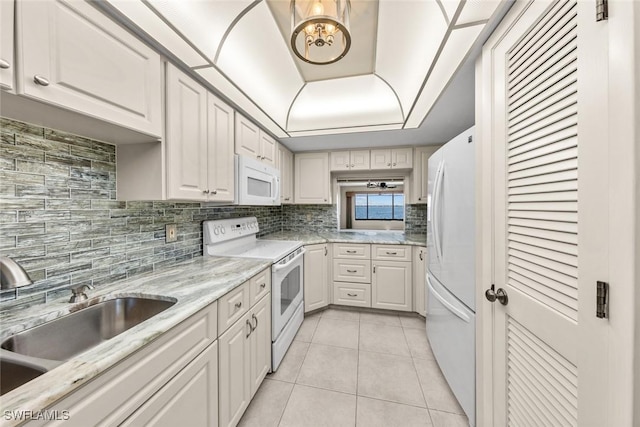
(237, 238)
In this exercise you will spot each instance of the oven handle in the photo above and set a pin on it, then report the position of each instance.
(283, 266)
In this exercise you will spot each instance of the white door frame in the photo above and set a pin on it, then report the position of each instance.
(623, 130)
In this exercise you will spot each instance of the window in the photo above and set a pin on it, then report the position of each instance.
(379, 207)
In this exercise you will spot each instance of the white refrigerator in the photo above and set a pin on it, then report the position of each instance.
(451, 302)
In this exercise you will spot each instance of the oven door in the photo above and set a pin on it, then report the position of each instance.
(258, 184)
(286, 290)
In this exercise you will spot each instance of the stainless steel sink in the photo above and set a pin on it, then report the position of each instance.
(62, 338)
(14, 374)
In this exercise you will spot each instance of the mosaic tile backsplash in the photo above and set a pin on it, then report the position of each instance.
(59, 218)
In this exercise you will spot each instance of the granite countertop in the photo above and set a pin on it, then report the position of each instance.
(375, 237)
(193, 284)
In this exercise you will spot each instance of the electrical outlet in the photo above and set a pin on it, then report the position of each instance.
(308, 217)
(171, 233)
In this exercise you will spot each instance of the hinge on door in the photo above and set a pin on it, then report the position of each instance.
(602, 300)
(602, 10)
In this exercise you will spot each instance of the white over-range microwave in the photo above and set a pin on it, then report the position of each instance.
(256, 183)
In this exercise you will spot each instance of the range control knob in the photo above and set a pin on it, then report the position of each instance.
(216, 231)
(223, 230)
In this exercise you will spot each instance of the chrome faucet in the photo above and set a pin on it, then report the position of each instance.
(12, 275)
(79, 293)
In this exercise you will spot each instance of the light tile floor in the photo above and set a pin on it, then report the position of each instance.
(357, 368)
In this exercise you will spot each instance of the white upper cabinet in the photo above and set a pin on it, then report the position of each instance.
(285, 164)
(72, 56)
(7, 57)
(349, 160)
(199, 142)
(251, 141)
(186, 139)
(392, 158)
(312, 178)
(220, 138)
(420, 173)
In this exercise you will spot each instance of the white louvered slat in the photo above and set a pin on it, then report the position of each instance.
(544, 109)
(556, 236)
(561, 176)
(566, 284)
(545, 253)
(542, 385)
(559, 76)
(545, 187)
(544, 100)
(552, 196)
(551, 264)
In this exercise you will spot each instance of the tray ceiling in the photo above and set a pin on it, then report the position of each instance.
(403, 56)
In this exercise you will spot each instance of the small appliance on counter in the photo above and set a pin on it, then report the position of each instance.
(237, 238)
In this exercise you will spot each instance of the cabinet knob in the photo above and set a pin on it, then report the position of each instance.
(287, 198)
(394, 164)
(214, 192)
(263, 285)
(353, 166)
(388, 164)
(238, 304)
(325, 200)
(205, 191)
(4, 64)
(39, 80)
(419, 198)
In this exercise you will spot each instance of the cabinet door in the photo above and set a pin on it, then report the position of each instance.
(419, 280)
(186, 137)
(421, 173)
(267, 149)
(234, 370)
(380, 159)
(391, 285)
(260, 342)
(340, 160)
(360, 160)
(316, 286)
(286, 178)
(312, 178)
(7, 57)
(75, 57)
(220, 132)
(190, 398)
(247, 138)
(402, 158)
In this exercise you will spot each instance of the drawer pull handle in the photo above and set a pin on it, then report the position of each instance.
(4, 64)
(239, 304)
(352, 271)
(39, 80)
(392, 253)
(263, 285)
(250, 328)
(253, 316)
(353, 295)
(351, 252)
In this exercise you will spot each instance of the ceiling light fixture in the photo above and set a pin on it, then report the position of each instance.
(320, 30)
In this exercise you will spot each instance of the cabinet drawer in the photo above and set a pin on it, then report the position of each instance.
(233, 306)
(392, 252)
(355, 294)
(259, 286)
(352, 270)
(351, 250)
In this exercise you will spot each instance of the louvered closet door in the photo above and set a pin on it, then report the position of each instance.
(541, 378)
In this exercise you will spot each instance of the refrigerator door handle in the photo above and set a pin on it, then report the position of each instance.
(446, 303)
(435, 217)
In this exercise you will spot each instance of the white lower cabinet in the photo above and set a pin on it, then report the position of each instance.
(353, 294)
(316, 291)
(391, 285)
(190, 398)
(159, 372)
(244, 360)
(419, 280)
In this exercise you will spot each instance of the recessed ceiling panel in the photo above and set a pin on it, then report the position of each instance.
(477, 10)
(203, 22)
(406, 50)
(254, 58)
(344, 103)
(151, 24)
(361, 57)
(456, 49)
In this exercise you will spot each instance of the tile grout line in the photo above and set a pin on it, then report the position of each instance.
(357, 367)
(413, 362)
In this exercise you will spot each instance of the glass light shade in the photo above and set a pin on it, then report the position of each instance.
(320, 30)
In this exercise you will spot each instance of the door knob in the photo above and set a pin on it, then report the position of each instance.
(500, 295)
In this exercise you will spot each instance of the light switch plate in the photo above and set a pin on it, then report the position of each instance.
(171, 233)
